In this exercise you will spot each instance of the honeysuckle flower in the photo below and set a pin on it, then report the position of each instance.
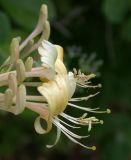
(55, 84)
(58, 93)
(57, 88)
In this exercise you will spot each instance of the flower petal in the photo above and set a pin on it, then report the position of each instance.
(56, 94)
(57, 138)
(38, 127)
(60, 52)
(48, 54)
(60, 67)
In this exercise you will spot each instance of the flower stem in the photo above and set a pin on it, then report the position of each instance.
(36, 98)
(35, 72)
(39, 108)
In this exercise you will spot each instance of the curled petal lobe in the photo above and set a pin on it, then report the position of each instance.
(38, 127)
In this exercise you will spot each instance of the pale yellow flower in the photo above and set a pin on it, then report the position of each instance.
(58, 94)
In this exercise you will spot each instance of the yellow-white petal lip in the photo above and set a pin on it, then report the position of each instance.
(48, 54)
(59, 65)
(60, 52)
(52, 57)
(71, 84)
(57, 93)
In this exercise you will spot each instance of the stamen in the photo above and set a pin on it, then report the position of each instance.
(83, 116)
(71, 120)
(81, 76)
(86, 121)
(89, 109)
(89, 121)
(67, 116)
(89, 86)
(83, 98)
(82, 120)
(68, 131)
(75, 141)
(82, 79)
(83, 108)
(90, 126)
(66, 123)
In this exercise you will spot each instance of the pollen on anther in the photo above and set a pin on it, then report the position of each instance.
(101, 121)
(99, 85)
(108, 111)
(93, 148)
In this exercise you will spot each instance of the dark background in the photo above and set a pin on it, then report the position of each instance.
(96, 36)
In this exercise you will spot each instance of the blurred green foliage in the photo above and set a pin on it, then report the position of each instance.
(116, 10)
(103, 27)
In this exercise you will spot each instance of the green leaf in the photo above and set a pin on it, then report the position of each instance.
(118, 144)
(126, 30)
(116, 88)
(25, 13)
(5, 28)
(115, 10)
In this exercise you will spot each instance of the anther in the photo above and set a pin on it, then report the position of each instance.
(99, 85)
(108, 111)
(101, 121)
(93, 148)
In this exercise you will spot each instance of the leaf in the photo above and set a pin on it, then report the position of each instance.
(5, 27)
(126, 30)
(118, 145)
(25, 13)
(115, 10)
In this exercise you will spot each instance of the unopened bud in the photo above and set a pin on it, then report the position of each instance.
(20, 99)
(19, 39)
(46, 30)
(8, 98)
(14, 50)
(28, 64)
(12, 82)
(26, 51)
(43, 15)
(20, 70)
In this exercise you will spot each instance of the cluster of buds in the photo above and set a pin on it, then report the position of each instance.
(18, 69)
(56, 86)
